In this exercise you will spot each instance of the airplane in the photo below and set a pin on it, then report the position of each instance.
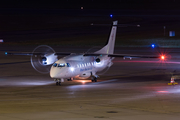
(76, 65)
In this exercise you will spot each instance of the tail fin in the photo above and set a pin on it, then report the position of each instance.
(109, 47)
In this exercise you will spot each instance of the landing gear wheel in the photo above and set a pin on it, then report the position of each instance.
(57, 83)
(94, 79)
(70, 79)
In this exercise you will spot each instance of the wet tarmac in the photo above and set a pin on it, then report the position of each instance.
(131, 89)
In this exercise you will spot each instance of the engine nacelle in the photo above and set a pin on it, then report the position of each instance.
(49, 59)
(98, 60)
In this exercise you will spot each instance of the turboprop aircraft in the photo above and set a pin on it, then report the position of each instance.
(76, 65)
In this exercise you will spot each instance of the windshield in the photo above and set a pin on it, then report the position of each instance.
(61, 65)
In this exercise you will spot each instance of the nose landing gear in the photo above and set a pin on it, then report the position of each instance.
(58, 81)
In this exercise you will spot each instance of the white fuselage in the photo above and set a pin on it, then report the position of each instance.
(78, 66)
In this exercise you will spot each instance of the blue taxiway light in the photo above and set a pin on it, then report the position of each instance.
(6, 53)
(111, 15)
(152, 45)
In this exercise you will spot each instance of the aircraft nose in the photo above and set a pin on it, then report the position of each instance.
(53, 73)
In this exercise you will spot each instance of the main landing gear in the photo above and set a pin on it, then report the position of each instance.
(94, 79)
(70, 79)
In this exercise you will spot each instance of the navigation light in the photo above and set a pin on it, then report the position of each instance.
(162, 57)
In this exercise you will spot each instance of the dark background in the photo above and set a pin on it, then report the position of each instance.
(93, 4)
(64, 23)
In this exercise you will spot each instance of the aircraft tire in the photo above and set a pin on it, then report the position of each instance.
(57, 83)
(95, 79)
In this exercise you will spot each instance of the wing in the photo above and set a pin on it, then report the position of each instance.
(126, 55)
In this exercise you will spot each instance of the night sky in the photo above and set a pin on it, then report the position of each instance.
(92, 4)
(35, 20)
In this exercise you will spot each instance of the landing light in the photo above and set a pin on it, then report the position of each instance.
(72, 69)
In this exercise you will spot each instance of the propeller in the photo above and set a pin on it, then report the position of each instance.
(42, 58)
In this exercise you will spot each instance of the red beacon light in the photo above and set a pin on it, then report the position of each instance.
(162, 57)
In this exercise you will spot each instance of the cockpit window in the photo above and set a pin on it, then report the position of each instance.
(55, 64)
(61, 65)
(68, 65)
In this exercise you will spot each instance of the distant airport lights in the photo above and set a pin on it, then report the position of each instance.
(153, 45)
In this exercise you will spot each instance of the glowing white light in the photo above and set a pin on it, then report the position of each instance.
(72, 69)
